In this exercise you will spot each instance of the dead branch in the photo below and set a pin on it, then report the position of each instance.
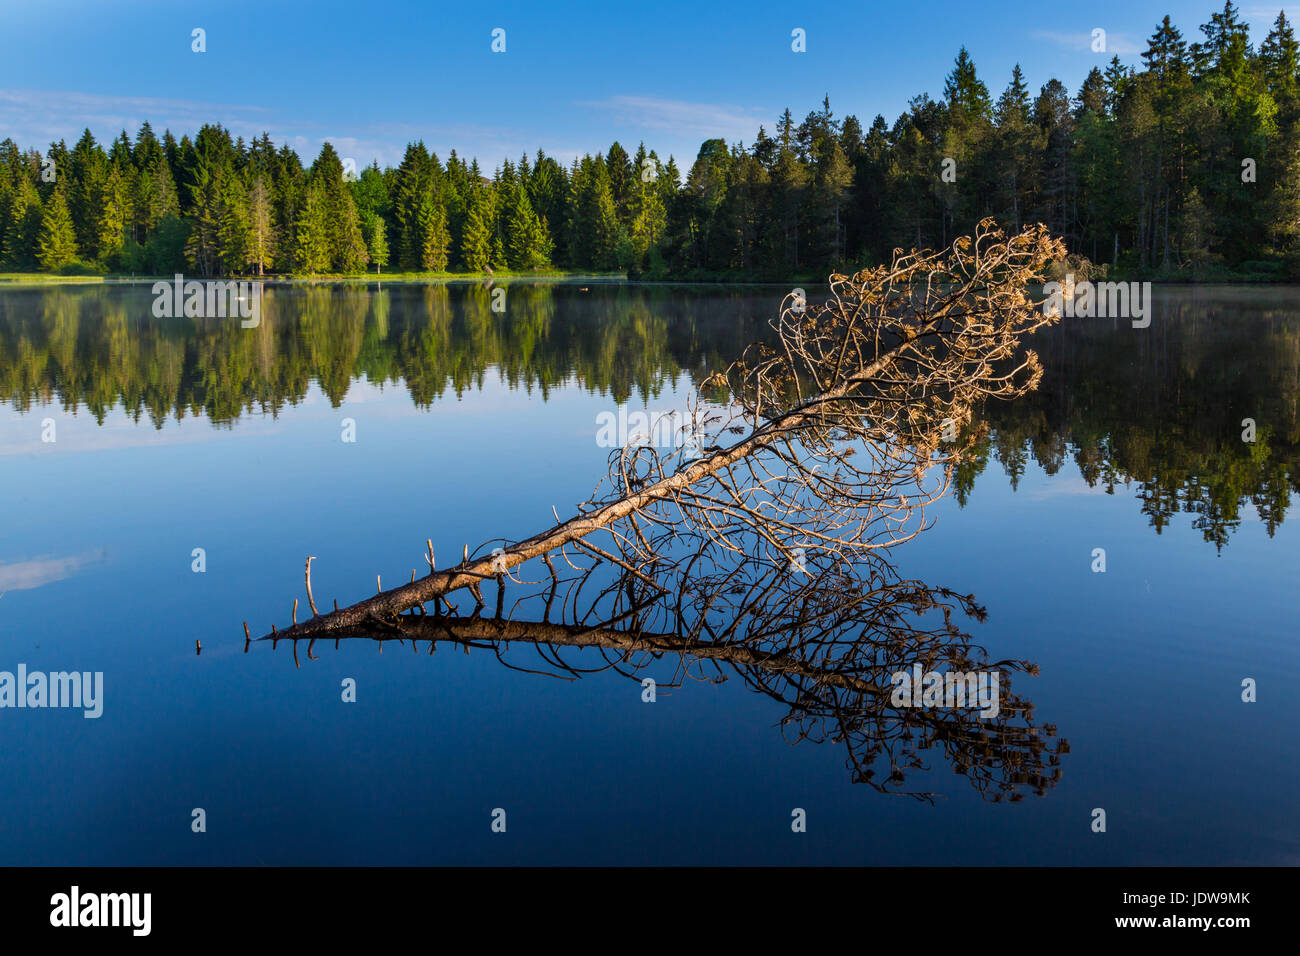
(851, 425)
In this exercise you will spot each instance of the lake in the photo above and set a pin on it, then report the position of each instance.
(195, 465)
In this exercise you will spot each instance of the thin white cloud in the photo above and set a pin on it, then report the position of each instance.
(702, 119)
(1117, 44)
(387, 142)
(46, 569)
(38, 117)
(1060, 485)
(1264, 15)
(35, 118)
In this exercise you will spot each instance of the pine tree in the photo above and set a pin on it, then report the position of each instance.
(114, 215)
(378, 244)
(1196, 232)
(350, 254)
(23, 228)
(410, 181)
(527, 243)
(548, 191)
(87, 169)
(58, 240)
(1280, 58)
(476, 241)
(648, 227)
(593, 233)
(203, 247)
(499, 261)
(434, 236)
(288, 189)
(964, 91)
(1092, 94)
(1016, 144)
(833, 177)
(164, 251)
(789, 178)
(162, 195)
(234, 232)
(312, 232)
(622, 176)
(261, 227)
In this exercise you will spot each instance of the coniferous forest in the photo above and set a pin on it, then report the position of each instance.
(1185, 166)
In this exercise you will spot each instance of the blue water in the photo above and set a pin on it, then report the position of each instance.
(1141, 667)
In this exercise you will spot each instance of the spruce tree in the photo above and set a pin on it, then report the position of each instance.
(23, 228)
(378, 244)
(58, 240)
(499, 261)
(261, 227)
(350, 254)
(409, 185)
(204, 245)
(87, 169)
(476, 241)
(527, 244)
(312, 233)
(114, 214)
(234, 235)
(434, 237)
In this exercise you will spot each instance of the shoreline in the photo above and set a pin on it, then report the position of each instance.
(604, 278)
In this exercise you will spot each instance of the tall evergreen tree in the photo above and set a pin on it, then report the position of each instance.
(261, 227)
(378, 244)
(313, 231)
(23, 227)
(476, 241)
(58, 239)
(434, 235)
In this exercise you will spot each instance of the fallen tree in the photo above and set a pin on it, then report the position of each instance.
(831, 446)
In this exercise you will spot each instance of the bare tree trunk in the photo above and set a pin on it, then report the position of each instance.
(892, 361)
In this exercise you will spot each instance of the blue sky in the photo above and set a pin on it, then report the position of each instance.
(371, 77)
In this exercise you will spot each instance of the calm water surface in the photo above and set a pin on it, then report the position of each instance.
(180, 434)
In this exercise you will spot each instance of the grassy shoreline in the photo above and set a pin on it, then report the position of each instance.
(1211, 277)
(50, 277)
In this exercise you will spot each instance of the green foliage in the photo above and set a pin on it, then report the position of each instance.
(234, 234)
(58, 240)
(164, 252)
(79, 267)
(22, 228)
(476, 242)
(313, 251)
(1141, 169)
(431, 223)
(261, 227)
(350, 252)
(114, 216)
(527, 241)
(378, 244)
(1224, 355)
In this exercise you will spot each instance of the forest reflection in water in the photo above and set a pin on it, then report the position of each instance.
(1159, 410)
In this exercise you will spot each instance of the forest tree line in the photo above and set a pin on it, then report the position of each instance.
(1184, 166)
